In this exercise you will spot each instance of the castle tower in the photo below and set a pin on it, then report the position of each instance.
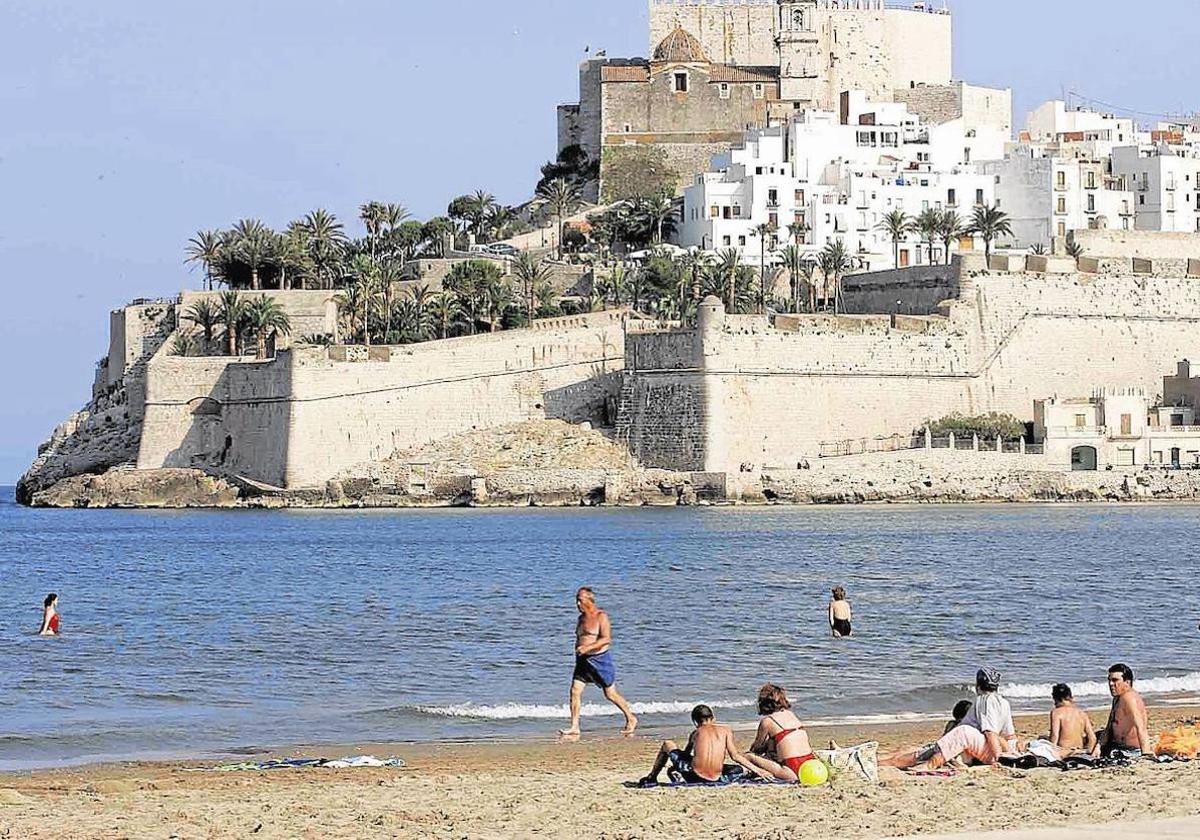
(799, 51)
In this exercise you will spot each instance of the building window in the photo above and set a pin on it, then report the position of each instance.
(1091, 203)
(737, 211)
(773, 197)
(742, 241)
(681, 82)
(979, 198)
(1062, 205)
(952, 198)
(967, 155)
(1062, 228)
(724, 90)
(1141, 200)
(1126, 425)
(628, 128)
(1091, 180)
(1060, 180)
(1080, 421)
(773, 219)
(725, 240)
(798, 19)
(760, 90)
(714, 212)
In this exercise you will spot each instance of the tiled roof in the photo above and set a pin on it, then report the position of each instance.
(625, 73)
(680, 47)
(730, 73)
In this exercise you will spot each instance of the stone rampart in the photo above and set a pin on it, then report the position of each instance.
(759, 397)
(1142, 244)
(905, 291)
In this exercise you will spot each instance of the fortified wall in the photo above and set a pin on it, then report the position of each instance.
(299, 419)
(738, 395)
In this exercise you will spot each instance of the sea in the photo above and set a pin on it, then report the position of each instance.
(215, 633)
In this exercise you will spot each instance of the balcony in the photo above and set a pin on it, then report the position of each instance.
(772, 204)
(1170, 186)
(1168, 431)
(1076, 431)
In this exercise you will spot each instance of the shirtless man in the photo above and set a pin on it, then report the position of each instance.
(593, 662)
(703, 759)
(1127, 730)
(1071, 729)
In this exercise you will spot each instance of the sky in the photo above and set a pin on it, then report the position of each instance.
(128, 125)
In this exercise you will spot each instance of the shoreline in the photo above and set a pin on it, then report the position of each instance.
(538, 785)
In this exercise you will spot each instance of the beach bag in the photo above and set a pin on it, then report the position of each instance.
(861, 762)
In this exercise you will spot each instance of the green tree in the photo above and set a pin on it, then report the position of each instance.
(325, 240)
(531, 274)
(205, 248)
(990, 223)
(950, 229)
(897, 225)
(374, 218)
(762, 231)
(562, 197)
(834, 261)
(729, 264)
(205, 314)
(446, 311)
(233, 316)
(471, 282)
(929, 226)
(264, 315)
(253, 244)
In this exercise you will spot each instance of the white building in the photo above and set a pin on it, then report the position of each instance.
(1166, 181)
(837, 176)
(1117, 428)
(1048, 192)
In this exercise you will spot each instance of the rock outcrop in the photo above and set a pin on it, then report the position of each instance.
(125, 488)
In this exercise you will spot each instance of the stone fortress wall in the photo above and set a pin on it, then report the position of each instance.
(754, 397)
(300, 418)
(866, 45)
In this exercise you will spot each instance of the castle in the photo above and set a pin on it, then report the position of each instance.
(720, 67)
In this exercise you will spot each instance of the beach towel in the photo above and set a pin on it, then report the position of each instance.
(739, 781)
(351, 762)
(1181, 742)
(861, 761)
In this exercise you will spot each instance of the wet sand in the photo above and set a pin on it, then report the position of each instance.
(547, 789)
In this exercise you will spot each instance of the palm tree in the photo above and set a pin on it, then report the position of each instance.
(793, 261)
(206, 248)
(446, 309)
(762, 231)
(389, 275)
(204, 314)
(233, 316)
(292, 256)
(395, 215)
(990, 223)
(562, 197)
(658, 209)
(326, 238)
(951, 228)
(366, 282)
(797, 230)
(253, 244)
(498, 299)
(374, 217)
(929, 225)
(531, 274)
(479, 206)
(897, 225)
(834, 261)
(691, 265)
(729, 262)
(265, 315)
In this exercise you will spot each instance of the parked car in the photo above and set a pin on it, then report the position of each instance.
(503, 249)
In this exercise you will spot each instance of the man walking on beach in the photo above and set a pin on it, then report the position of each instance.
(1127, 733)
(594, 663)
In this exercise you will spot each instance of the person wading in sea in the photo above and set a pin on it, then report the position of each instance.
(594, 663)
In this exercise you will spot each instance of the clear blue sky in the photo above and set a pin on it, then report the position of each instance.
(126, 126)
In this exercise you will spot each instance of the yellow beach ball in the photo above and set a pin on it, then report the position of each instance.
(814, 773)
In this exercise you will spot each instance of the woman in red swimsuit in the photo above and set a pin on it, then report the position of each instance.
(50, 618)
(781, 746)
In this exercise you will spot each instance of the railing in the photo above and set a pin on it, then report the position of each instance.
(1077, 431)
(907, 443)
(865, 446)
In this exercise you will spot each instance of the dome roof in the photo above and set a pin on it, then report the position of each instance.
(680, 47)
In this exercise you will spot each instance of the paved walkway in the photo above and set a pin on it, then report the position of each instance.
(1185, 827)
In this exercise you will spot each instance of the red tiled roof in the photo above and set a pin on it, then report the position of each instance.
(730, 73)
(625, 73)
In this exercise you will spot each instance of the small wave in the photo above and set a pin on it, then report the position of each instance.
(1154, 685)
(534, 711)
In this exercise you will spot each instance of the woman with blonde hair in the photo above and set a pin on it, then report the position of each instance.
(781, 746)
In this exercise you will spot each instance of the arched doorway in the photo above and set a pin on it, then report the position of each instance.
(1083, 459)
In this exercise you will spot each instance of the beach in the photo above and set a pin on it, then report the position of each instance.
(545, 789)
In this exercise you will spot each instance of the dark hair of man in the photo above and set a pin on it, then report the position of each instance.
(50, 599)
(1061, 693)
(701, 714)
(839, 594)
(772, 699)
(961, 708)
(1124, 670)
(586, 590)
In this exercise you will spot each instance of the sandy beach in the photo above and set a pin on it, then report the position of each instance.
(546, 789)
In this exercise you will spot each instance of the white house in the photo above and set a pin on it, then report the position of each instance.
(825, 177)
(1166, 181)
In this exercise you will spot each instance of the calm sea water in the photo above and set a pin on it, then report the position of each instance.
(212, 632)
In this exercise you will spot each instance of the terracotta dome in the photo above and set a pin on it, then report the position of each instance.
(680, 47)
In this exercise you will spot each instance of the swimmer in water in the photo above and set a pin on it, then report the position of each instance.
(840, 614)
(50, 619)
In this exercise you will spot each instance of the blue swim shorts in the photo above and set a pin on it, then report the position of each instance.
(598, 669)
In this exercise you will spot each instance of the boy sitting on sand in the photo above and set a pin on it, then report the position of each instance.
(703, 759)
